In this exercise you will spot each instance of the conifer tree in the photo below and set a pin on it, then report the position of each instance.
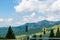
(40, 37)
(34, 37)
(51, 35)
(26, 28)
(58, 33)
(44, 30)
(10, 34)
(27, 37)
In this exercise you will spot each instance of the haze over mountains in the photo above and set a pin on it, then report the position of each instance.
(19, 30)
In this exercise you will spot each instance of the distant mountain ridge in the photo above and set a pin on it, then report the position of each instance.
(43, 23)
(19, 30)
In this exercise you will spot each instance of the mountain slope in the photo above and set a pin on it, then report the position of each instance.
(33, 27)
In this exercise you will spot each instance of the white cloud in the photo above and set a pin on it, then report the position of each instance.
(32, 18)
(50, 18)
(55, 5)
(1, 19)
(19, 23)
(33, 5)
(9, 19)
(29, 17)
(41, 18)
(40, 6)
(48, 6)
(6, 21)
(33, 14)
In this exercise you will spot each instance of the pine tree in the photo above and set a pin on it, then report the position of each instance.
(34, 37)
(26, 28)
(44, 30)
(27, 37)
(40, 37)
(58, 33)
(10, 34)
(51, 35)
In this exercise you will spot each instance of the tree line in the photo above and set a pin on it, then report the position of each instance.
(10, 34)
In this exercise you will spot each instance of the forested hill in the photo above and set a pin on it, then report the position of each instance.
(19, 30)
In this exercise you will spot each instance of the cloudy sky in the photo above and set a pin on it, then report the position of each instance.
(19, 12)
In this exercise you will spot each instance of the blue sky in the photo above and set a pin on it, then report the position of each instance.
(19, 12)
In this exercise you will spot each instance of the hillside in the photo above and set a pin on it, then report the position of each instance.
(32, 28)
(39, 33)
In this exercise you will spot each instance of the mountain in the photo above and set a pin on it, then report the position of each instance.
(46, 23)
(33, 27)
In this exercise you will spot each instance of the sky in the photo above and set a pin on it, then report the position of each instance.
(19, 12)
